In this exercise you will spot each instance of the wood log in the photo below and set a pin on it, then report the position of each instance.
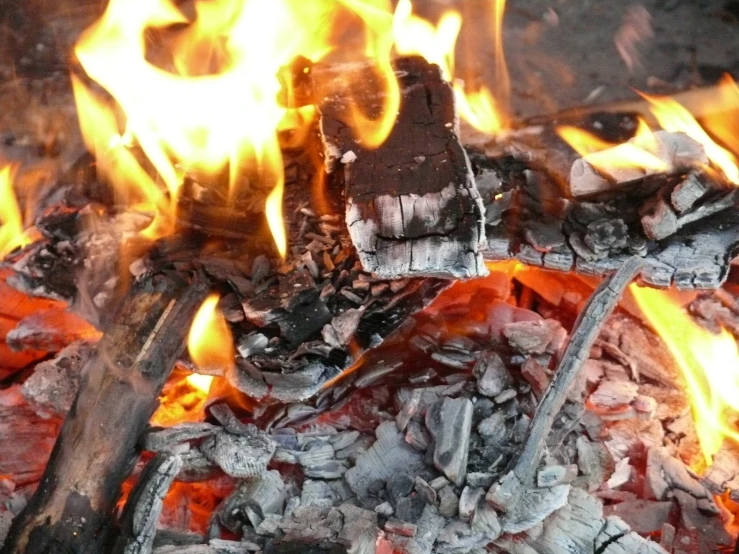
(72, 508)
(412, 206)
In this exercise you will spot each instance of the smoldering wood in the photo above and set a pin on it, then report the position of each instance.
(412, 207)
(73, 505)
(693, 236)
(505, 494)
(139, 519)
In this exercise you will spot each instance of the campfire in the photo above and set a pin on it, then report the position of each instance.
(312, 287)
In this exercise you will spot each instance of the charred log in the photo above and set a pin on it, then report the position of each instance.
(73, 506)
(412, 207)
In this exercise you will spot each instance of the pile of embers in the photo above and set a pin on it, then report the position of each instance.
(402, 459)
(370, 413)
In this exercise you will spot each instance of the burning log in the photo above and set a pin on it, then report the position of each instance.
(412, 206)
(96, 448)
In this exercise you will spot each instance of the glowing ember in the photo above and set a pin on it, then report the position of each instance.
(675, 118)
(11, 223)
(709, 363)
(209, 342)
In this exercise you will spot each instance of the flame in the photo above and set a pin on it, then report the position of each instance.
(209, 341)
(216, 107)
(414, 35)
(200, 382)
(709, 364)
(603, 155)
(11, 223)
(723, 121)
(674, 117)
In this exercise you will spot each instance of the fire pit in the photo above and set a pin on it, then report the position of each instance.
(308, 291)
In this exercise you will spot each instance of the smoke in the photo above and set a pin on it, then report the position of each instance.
(636, 28)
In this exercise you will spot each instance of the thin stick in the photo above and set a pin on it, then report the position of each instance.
(506, 492)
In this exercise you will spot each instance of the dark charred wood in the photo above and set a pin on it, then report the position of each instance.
(73, 506)
(412, 207)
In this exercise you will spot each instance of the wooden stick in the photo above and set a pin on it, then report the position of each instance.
(73, 506)
(506, 492)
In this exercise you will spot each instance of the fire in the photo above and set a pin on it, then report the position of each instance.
(709, 364)
(414, 35)
(603, 155)
(723, 121)
(209, 341)
(11, 223)
(202, 98)
(673, 117)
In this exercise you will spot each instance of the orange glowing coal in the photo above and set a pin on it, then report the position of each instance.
(209, 342)
(11, 222)
(709, 364)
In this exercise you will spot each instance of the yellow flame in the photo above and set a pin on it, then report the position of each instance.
(709, 364)
(209, 341)
(415, 35)
(581, 141)
(200, 382)
(604, 155)
(216, 104)
(723, 119)
(672, 116)
(11, 223)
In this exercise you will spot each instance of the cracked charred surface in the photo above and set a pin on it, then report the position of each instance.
(412, 206)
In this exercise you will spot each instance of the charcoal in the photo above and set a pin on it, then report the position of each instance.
(408, 409)
(196, 467)
(401, 527)
(642, 516)
(450, 422)
(427, 492)
(468, 501)
(384, 509)
(448, 502)
(410, 508)
(156, 440)
(666, 474)
(340, 331)
(536, 376)
(54, 383)
(478, 479)
(399, 486)
(139, 518)
(531, 337)
(492, 375)
(255, 343)
(387, 456)
(658, 220)
(687, 193)
(616, 538)
(240, 456)
(534, 506)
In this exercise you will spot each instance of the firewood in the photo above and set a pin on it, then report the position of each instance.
(141, 513)
(95, 450)
(412, 205)
(506, 493)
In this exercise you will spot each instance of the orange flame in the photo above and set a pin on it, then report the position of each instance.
(11, 223)
(709, 364)
(217, 106)
(723, 121)
(603, 155)
(209, 341)
(672, 116)
(414, 35)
